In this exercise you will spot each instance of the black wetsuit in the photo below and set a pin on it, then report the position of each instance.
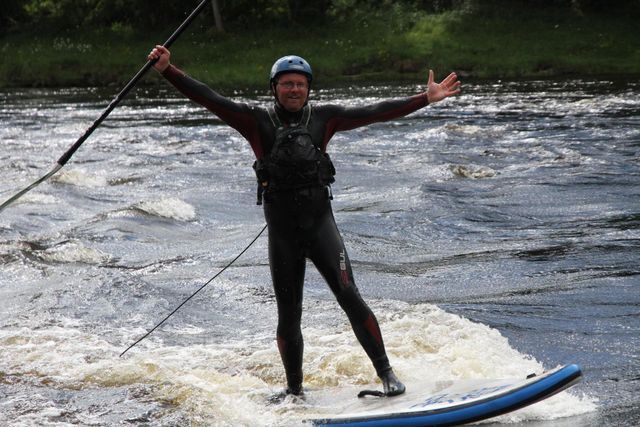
(300, 222)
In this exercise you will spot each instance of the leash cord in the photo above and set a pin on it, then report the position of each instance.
(196, 292)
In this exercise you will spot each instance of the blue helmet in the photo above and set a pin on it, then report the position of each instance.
(291, 64)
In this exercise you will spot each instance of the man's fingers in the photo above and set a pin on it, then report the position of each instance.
(450, 79)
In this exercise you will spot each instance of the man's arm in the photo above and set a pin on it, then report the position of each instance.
(346, 118)
(239, 116)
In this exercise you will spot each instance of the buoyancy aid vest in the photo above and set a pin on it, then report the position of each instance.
(294, 161)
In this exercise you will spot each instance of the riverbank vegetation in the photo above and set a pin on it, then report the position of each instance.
(102, 42)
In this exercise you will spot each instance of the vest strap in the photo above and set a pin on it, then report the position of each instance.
(277, 123)
(306, 115)
(273, 116)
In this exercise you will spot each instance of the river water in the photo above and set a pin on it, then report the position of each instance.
(494, 234)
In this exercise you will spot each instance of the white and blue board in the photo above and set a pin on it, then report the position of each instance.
(459, 403)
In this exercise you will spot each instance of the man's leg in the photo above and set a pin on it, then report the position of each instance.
(330, 258)
(287, 272)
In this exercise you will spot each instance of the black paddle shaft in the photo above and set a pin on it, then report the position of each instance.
(67, 155)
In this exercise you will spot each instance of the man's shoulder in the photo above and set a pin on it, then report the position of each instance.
(325, 109)
(254, 109)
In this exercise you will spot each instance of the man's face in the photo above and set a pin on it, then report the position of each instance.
(292, 90)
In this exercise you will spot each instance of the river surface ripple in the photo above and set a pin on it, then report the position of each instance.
(494, 234)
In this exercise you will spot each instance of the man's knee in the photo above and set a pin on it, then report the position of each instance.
(289, 323)
(352, 303)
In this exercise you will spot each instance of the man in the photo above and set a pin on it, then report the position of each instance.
(294, 174)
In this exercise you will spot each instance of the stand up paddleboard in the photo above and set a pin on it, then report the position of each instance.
(459, 403)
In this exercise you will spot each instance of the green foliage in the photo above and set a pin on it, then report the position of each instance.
(392, 14)
(51, 16)
(357, 41)
(57, 14)
(240, 15)
(61, 15)
(532, 41)
(11, 14)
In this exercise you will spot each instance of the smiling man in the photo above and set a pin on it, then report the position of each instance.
(294, 171)
(291, 91)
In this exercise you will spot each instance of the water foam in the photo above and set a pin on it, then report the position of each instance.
(37, 198)
(427, 346)
(80, 178)
(168, 208)
(74, 252)
(229, 384)
(472, 171)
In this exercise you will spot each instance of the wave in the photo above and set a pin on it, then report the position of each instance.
(167, 208)
(38, 199)
(228, 383)
(471, 171)
(73, 252)
(80, 178)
